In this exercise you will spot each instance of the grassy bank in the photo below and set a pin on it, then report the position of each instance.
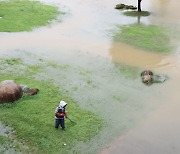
(32, 118)
(150, 37)
(24, 15)
(136, 13)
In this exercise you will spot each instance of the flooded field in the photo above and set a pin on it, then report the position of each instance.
(103, 75)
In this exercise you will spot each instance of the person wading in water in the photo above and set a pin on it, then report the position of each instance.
(60, 113)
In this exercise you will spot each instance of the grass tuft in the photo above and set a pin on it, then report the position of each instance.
(11, 61)
(32, 118)
(150, 37)
(25, 15)
(136, 13)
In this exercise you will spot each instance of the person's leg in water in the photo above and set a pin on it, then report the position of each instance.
(62, 123)
(57, 123)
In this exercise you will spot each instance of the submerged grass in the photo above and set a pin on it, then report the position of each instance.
(12, 61)
(32, 118)
(149, 37)
(3, 140)
(136, 13)
(24, 15)
(8, 145)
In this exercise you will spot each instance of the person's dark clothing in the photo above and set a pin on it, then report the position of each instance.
(60, 113)
(60, 122)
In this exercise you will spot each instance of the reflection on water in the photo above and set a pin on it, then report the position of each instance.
(135, 57)
(159, 132)
(85, 28)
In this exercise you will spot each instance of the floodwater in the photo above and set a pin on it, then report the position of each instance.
(147, 121)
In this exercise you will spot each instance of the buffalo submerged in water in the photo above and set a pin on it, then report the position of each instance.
(148, 77)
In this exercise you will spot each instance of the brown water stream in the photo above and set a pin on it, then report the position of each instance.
(86, 29)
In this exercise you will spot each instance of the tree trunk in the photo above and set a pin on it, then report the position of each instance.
(139, 5)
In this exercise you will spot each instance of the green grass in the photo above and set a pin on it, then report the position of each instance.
(10, 61)
(7, 143)
(149, 37)
(136, 13)
(32, 118)
(128, 72)
(25, 15)
(13, 61)
(3, 140)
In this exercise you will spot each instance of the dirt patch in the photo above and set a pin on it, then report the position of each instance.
(5, 130)
(6, 143)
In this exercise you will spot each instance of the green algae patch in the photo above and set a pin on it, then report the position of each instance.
(25, 15)
(136, 13)
(32, 118)
(147, 37)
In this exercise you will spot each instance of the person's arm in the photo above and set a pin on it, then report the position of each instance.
(65, 114)
(56, 112)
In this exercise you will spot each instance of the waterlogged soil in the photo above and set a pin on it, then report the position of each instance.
(7, 142)
(88, 85)
(103, 76)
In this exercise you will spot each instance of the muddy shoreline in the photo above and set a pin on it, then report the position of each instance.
(92, 78)
(103, 80)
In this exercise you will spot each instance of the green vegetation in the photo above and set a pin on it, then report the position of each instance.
(24, 15)
(32, 118)
(119, 98)
(128, 72)
(136, 13)
(12, 61)
(150, 37)
(7, 145)
(3, 140)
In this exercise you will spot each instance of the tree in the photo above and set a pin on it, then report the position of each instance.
(139, 5)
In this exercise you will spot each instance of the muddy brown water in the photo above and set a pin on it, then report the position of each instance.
(148, 120)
